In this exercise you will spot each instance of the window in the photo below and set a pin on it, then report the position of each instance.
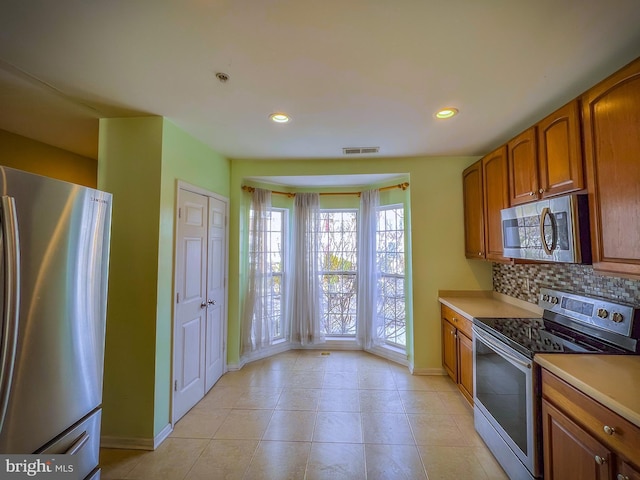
(275, 250)
(338, 267)
(390, 253)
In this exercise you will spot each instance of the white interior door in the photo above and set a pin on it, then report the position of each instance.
(191, 306)
(201, 296)
(216, 291)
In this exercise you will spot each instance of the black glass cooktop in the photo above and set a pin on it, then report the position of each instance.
(538, 335)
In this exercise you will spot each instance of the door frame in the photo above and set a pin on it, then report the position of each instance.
(182, 185)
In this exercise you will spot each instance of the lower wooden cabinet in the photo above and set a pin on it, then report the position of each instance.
(583, 439)
(569, 451)
(457, 350)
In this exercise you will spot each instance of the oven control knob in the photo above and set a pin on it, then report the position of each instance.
(545, 298)
(617, 317)
(602, 313)
(554, 300)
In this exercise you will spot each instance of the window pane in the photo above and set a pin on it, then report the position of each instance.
(390, 258)
(338, 266)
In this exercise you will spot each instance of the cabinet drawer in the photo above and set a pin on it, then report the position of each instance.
(608, 427)
(454, 318)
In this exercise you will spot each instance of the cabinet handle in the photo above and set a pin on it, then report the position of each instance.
(531, 194)
(479, 254)
(622, 477)
(600, 460)
(609, 430)
(541, 190)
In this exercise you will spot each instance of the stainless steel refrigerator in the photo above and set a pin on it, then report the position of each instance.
(54, 255)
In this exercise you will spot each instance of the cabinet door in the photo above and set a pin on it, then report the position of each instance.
(560, 152)
(627, 472)
(449, 357)
(496, 197)
(570, 453)
(465, 366)
(473, 211)
(523, 167)
(611, 115)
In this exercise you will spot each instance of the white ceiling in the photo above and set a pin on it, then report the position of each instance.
(351, 73)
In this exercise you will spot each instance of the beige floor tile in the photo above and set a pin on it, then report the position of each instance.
(313, 363)
(340, 380)
(336, 461)
(343, 427)
(394, 462)
(220, 396)
(291, 426)
(199, 423)
(436, 430)
(299, 399)
(451, 463)
(258, 398)
(339, 401)
(468, 429)
(423, 402)
(223, 459)
(279, 461)
(380, 401)
(386, 428)
(238, 378)
(376, 380)
(305, 379)
(244, 424)
(173, 459)
(489, 463)
(270, 378)
(116, 463)
(456, 403)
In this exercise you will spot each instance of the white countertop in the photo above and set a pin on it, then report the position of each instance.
(612, 380)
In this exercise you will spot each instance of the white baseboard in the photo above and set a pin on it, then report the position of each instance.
(134, 443)
(428, 371)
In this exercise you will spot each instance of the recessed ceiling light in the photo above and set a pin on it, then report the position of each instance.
(447, 112)
(279, 117)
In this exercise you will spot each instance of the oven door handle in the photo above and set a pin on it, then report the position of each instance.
(499, 348)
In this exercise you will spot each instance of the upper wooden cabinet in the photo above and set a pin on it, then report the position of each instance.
(473, 211)
(523, 167)
(560, 163)
(611, 116)
(546, 159)
(496, 197)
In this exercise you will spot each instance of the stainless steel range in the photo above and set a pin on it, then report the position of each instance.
(506, 381)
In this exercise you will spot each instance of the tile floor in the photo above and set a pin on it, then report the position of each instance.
(304, 415)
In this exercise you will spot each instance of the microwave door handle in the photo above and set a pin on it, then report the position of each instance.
(554, 231)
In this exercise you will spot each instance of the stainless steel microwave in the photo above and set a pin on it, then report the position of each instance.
(550, 230)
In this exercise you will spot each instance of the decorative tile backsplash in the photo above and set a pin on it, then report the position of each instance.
(524, 282)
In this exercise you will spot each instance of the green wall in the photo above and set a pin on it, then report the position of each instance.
(437, 237)
(140, 161)
(129, 167)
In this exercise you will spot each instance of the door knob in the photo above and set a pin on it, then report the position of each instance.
(211, 302)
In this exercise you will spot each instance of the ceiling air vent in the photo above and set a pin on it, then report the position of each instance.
(360, 150)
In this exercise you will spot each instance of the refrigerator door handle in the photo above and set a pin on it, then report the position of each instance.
(76, 446)
(10, 245)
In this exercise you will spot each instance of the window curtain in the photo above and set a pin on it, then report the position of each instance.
(256, 325)
(304, 283)
(370, 327)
